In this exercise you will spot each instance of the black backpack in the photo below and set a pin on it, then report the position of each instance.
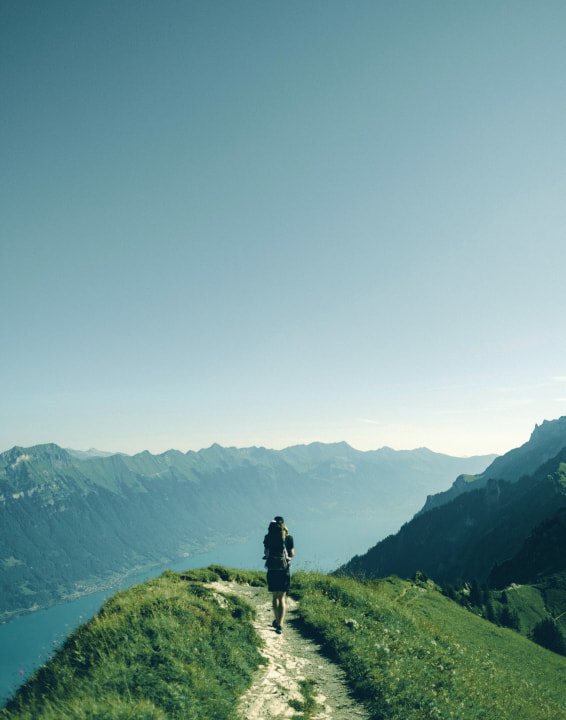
(277, 557)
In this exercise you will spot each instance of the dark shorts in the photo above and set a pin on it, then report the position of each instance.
(278, 580)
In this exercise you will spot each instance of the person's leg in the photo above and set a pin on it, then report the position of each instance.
(279, 607)
(282, 608)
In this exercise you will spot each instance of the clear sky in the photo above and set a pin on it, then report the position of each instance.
(270, 223)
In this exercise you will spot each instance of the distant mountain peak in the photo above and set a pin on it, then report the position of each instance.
(91, 453)
(549, 429)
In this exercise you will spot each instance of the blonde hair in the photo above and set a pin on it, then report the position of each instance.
(280, 524)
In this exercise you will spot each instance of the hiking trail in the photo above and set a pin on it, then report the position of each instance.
(291, 658)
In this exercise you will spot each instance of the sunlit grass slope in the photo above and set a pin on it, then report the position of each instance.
(169, 649)
(164, 649)
(410, 652)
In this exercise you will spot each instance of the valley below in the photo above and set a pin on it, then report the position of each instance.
(71, 525)
(478, 540)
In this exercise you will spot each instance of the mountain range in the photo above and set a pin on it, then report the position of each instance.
(72, 521)
(491, 526)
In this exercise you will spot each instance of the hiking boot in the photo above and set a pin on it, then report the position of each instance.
(278, 629)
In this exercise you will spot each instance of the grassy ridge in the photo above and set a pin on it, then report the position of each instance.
(168, 649)
(160, 650)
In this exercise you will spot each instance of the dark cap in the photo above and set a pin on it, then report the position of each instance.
(278, 519)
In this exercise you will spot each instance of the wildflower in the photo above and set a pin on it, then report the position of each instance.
(22, 672)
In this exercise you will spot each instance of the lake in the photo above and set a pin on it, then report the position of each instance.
(29, 641)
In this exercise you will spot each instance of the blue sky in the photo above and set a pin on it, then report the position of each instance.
(260, 223)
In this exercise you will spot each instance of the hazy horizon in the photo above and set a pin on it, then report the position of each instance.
(273, 224)
(228, 447)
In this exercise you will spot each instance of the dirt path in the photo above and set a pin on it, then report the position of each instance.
(291, 659)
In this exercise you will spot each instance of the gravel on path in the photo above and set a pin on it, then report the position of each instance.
(291, 658)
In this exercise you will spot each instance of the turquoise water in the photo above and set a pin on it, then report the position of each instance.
(29, 641)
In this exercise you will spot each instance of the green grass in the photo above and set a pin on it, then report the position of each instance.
(168, 649)
(308, 706)
(528, 603)
(411, 653)
(162, 649)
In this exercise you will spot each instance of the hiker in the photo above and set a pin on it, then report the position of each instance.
(279, 548)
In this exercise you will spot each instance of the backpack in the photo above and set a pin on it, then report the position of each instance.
(277, 557)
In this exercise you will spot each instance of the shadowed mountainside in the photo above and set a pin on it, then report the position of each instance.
(487, 524)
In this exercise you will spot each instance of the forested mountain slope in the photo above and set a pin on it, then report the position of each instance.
(485, 525)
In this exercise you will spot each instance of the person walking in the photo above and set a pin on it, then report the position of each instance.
(279, 548)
